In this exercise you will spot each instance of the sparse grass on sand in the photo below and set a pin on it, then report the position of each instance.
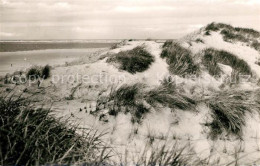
(228, 112)
(132, 61)
(211, 58)
(179, 59)
(256, 45)
(168, 154)
(230, 36)
(218, 26)
(127, 99)
(138, 100)
(199, 40)
(39, 72)
(231, 33)
(34, 137)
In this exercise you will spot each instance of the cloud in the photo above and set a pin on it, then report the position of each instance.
(7, 34)
(142, 8)
(68, 19)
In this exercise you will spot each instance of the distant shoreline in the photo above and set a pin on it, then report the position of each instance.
(15, 46)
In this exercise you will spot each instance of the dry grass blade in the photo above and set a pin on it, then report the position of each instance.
(228, 112)
(30, 136)
(179, 59)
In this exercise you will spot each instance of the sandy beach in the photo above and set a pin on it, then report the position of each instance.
(21, 60)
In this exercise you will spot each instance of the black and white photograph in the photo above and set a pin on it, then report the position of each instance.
(130, 82)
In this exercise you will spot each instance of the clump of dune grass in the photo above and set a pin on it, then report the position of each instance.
(217, 26)
(211, 63)
(46, 72)
(230, 36)
(256, 45)
(211, 58)
(207, 33)
(228, 112)
(248, 31)
(199, 40)
(32, 136)
(231, 33)
(132, 61)
(167, 95)
(212, 27)
(167, 43)
(126, 99)
(36, 72)
(179, 59)
(33, 73)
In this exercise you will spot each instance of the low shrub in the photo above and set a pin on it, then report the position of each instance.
(36, 72)
(132, 61)
(46, 72)
(34, 137)
(33, 73)
(179, 60)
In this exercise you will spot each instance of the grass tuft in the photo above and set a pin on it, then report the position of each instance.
(138, 100)
(46, 72)
(230, 36)
(212, 56)
(167, 95)
(34, 137)
(256, 45)
(228, 112)
(179, 60)
(231, 33)
(167, 43)
(33, 73)
(126, 99)
(199, 40)
(168, 154)
(36, 72)
(132, 61)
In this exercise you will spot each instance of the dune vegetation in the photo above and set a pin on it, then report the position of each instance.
(234, 34)
(179, 59)
(132, 61)
(211, 58)
(31, 136)
(36, 72)
(138, 100)
(229, 109)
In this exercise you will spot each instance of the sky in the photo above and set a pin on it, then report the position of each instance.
(119, 19)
